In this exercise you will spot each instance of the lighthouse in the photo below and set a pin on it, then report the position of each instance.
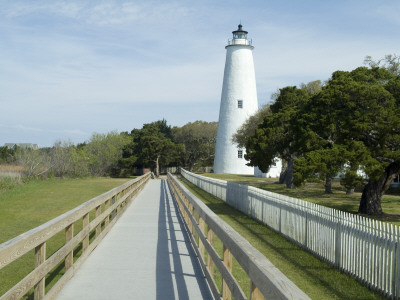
(238, 102)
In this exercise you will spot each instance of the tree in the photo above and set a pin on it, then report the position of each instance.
(277, 135)
(33, 160)
(323, 164)
(198, 140)
(249, 127)
(6, 155)
(391, 62)
(103, 151)
(59, 159)
(313, 87)
(153, 146)
(358, 111)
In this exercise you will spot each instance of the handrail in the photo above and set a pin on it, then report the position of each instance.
(113, 203)
(265, 279)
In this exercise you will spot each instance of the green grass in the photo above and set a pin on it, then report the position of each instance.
(316, 278)
(27, 206)
(314, 192)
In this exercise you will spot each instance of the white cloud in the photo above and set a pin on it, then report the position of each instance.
(94, 65)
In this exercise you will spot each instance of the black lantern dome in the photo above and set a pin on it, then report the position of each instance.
(239, 33)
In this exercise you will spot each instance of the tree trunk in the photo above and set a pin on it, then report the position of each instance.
(282, 175)
(289, 174)
(328, 185)
(374, 190)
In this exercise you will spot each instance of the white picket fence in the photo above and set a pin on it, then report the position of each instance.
(364, 248)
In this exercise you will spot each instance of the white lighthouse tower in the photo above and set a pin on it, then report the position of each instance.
(238, 102)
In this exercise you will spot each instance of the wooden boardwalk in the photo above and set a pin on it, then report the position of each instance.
(147, 255)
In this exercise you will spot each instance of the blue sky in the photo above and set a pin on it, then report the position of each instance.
(72, 68)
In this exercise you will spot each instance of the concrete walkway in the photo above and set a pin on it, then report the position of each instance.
(147, 255)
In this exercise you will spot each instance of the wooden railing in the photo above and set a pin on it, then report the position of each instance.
(265, 279)
(107, 209)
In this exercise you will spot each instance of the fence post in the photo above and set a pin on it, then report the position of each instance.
(255, 293)
(337, 245)
(397, 271)
(190, 206)
(227, 257)
(106, 206)
(210, 263)
(201, 246)
(98, 228)
(40, 257)
(114, 211)
(69, 234)
(85, 242)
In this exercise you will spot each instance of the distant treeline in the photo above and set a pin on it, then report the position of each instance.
(120, 154)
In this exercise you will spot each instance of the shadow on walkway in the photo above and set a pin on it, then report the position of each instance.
(178, 270)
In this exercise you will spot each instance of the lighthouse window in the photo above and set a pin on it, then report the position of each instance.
(240, 103)
(240, 153)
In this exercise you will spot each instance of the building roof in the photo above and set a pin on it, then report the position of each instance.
(22, 145)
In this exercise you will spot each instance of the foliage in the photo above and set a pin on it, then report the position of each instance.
(350, 123)
(277, 135)
(103, 152)
(6, 155)
(198, 140)
(322, 163)
(391, 62)
(151, 146)
(313, 87)
(96, 157)
(358, 114)
(249, 126)
(34, 161)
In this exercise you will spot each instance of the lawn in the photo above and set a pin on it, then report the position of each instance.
(26, 206)
(314, 192)
(316, 278)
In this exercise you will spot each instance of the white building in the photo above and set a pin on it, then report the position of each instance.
(238, 102)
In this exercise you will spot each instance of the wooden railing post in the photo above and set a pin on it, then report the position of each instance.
(98, 228)
(201, 246)
(112, 203)
(85, 242)
(255, 293)
(190, 206)
(69, 234)
(210, 263)
(185, 201)
(106, 206)
(117, 197)
(40, 257)
(226, 293)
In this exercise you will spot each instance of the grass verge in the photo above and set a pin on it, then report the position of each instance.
(316, 278)
(29, 205)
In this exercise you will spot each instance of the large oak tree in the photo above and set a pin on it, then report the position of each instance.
(351, 124)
